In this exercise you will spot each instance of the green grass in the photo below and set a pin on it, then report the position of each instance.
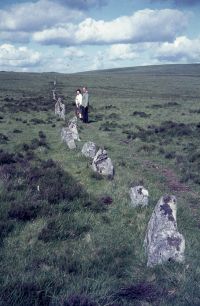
(65, 245)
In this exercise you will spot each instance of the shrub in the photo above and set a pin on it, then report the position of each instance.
(17, 131)
(25, 293)
(37, 121)
(6, 158)
(7, 171)
(25, 210)
(6, 227)
(143, 291)
(141, 114)
(42, 134)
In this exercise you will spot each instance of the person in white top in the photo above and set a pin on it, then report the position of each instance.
(78, 101)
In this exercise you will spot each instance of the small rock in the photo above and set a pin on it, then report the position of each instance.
(103, 164)
(163, 242)
(139, 196)
(89, 149)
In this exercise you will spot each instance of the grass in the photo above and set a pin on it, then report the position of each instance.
(76, 240)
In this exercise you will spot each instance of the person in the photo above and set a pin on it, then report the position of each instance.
(85, 105)
(78, 101)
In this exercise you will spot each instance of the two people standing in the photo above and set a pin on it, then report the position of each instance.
(82, 104)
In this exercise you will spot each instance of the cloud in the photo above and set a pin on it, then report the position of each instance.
(11, 56)
(143, 26)
(121, 52)
(33, 16)
(73, 52)
(83, 4)
(182, 49)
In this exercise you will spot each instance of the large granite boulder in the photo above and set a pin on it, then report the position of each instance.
(89, 149)
(163, 242)
(103, 164)
(67, 137)
(139, 196)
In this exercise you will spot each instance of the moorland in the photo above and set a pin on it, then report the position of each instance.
(69, 236)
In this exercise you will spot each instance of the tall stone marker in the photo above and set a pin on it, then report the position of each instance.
(163, 242)
(60, 109)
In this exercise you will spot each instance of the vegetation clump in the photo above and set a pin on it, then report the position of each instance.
(3, 138)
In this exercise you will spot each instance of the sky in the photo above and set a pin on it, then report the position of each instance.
(80, 35)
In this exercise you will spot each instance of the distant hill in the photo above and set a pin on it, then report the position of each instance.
(178, 69)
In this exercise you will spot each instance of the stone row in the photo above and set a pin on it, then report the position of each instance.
(163, 242)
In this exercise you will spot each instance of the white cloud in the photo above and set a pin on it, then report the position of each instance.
(32, 16)
(182, 49)
(143, 26)
(122, 52)
(11, 56)
(73, 52)
(60, 35)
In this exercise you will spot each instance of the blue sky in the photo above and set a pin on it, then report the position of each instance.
(78, 35)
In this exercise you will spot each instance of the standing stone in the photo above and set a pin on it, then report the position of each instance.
(89, 149)
(57, 108)
(73, 128)
(67, 137)
(103, 164)
(139, 196)
(54, 94)
(163, 242)
(60, 109)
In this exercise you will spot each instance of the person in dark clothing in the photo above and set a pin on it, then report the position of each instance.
(85, 104)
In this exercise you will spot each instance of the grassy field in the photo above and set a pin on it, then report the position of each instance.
(70, 237)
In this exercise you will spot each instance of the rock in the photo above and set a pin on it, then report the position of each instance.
(103, 164)
(67, 137)
(70, 134)
(163, 242)
(73, 128)
(139, 196)
(54, 94)
(60, 109)
(89, 149)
